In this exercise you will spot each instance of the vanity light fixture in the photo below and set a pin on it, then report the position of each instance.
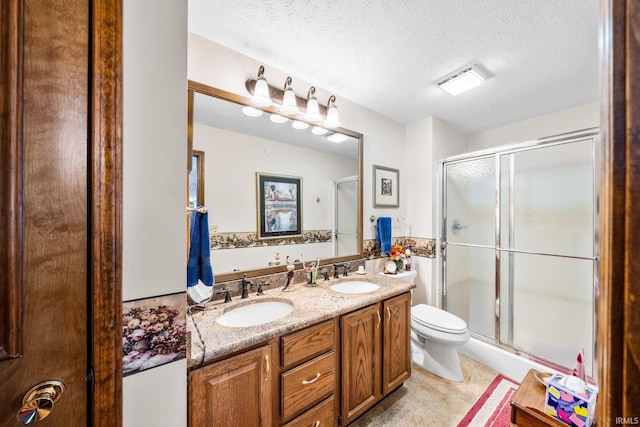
(313, 109)
(289, 104)
(462, 81)
(251, 112)
(297, 124)
(277, 118)
(337, 137)
(261, 96)
(332, 113)
(317, 130)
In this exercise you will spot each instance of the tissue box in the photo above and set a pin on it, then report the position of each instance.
(567, 406)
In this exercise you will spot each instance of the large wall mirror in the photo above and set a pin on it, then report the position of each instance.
(262, 178)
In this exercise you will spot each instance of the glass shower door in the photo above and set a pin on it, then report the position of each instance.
(519, 246)
(547, 258)
(469, 239)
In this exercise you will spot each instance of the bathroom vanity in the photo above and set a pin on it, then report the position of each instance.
(333, 357)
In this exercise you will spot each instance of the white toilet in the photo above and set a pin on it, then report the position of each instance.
(435, 336)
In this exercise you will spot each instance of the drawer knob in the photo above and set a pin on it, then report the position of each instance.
(305, 382)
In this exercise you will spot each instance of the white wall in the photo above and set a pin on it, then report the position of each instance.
(427, 141)
(573, 119)
(154, 188)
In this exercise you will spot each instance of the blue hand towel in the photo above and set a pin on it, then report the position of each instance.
(199, 263)
(383, 236)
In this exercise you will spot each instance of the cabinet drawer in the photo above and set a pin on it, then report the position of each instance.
(306, 385)
(322, 415)
(307, 343)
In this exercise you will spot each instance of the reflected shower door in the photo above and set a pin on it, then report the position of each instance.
(346, 223)
(469, 238)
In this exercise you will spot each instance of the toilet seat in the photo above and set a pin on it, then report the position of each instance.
(435, 318)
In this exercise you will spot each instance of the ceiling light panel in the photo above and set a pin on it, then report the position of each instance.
(462, 81)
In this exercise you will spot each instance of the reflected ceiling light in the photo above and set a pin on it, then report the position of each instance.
(332, 113)
(289, 104)
(251, 112)
(313, 109)
(277, 118)
(297, 124)
(337, 137)
(261, 96)
(317, 130)
(462, 81)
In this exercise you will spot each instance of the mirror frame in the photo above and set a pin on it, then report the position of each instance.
(193, 87)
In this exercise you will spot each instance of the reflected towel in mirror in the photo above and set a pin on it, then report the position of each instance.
(199, 262)
(383, 235)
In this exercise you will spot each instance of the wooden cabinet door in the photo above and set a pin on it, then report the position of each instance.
(233, 392)
(397, 342)
(361, 361)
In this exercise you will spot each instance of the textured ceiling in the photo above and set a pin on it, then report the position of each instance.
(541, 55)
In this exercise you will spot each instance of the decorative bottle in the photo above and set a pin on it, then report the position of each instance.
(407, 260)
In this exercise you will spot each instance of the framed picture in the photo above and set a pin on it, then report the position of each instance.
(279, 206)
(154, 332)
(386, 187)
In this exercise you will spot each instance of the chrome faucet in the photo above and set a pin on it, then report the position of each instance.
(245, 282)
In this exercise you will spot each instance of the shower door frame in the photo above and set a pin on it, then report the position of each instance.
(441, 225)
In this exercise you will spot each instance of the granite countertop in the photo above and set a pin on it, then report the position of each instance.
(311, 305)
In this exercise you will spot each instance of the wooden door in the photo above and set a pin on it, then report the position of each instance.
(233, 392)
(396, 365)
(619, 286)
(59, 204)
(361, 361)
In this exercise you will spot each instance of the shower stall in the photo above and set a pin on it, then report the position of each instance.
(519, 245)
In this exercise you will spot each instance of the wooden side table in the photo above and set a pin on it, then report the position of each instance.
(527, 405)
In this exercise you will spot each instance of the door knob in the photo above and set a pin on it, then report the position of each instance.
(38, 402)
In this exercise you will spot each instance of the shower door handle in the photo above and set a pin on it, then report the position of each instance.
(497, 305)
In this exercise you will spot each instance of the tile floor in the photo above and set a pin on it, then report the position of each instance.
(426, 400)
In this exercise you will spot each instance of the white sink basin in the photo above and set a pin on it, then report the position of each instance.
(254, 314)
(355, 287)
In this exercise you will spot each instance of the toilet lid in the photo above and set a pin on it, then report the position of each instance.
(434, 318)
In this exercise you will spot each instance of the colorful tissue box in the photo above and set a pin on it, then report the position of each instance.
(567, 406)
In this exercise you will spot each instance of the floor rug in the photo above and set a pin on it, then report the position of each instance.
(493, 407)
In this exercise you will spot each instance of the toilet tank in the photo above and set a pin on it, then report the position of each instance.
(404, 276)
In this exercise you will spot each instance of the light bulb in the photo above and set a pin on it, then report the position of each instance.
(289, 105)
(251, 112)
(260, 96)
(297, 124)
(277, 118)
(313, 109)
